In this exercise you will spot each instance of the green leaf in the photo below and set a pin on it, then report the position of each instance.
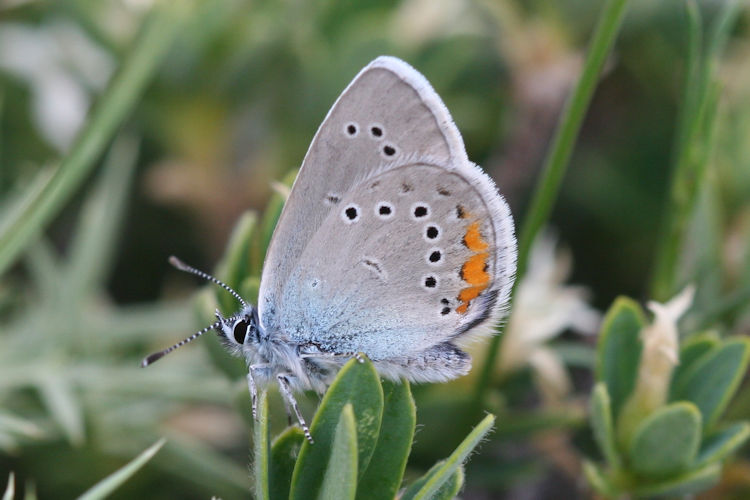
(383, 475)
(720, 444)
(690, 352)
(106, 486)
(284, 452)
(619, 350)
(340, 479)
(712, 380)
(357, 383)
(235, 265)
(451, 487)
(10, 490)
(156, 35)
(666, 441)
(694, 481)
(598, 480)
(261, 467)
(418, 484)
(442, 472)
(601, 422)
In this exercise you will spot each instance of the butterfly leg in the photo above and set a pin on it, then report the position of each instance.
(286, 392)
(288, 411)
(253, 372)
(253, 394)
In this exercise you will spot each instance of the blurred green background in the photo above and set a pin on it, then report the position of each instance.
(229, 109)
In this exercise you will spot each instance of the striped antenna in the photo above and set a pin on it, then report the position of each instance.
(151, 358)
(189, 269)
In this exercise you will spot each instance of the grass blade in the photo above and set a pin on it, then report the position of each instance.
(155, 37)
(109, 484)
(694, 141)
(429, 485)
(100, 221)
(59, 397)
(10, 490)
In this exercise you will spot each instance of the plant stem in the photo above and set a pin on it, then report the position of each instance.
(693, 143)
(27, 222)
(558, 157)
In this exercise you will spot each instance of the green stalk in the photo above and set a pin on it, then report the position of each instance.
(558, 158)
(26, 222)
(693, 143)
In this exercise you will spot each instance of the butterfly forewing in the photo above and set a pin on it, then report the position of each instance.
(387, 114)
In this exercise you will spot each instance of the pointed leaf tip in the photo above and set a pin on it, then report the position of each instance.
(340, 478)
(428, 485)
(10, 490)
(106, 486)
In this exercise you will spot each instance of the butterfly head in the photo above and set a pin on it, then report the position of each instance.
(237, 331)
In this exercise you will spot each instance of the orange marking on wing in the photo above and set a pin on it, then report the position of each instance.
(474, 270)
(466, 295)
(473, 238)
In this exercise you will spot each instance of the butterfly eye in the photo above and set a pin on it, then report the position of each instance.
(240, 331)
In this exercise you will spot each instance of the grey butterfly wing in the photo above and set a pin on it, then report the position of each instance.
(413, 256)
(387, 114)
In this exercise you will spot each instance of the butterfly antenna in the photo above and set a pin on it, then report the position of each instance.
(151, 358)
(189, 269)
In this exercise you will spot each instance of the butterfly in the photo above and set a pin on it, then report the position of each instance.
(391, 245)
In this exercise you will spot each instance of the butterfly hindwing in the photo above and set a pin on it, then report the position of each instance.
(407, 261)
